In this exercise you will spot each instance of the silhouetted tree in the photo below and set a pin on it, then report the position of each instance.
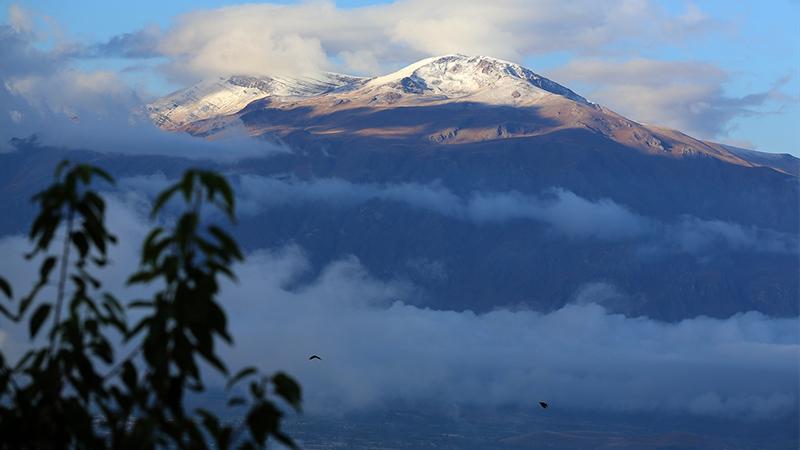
(73, 389)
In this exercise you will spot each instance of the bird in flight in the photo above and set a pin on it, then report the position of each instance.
(543, 405)
(314, 357)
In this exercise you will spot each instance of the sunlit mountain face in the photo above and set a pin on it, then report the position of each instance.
(486, 185)
(462, 239)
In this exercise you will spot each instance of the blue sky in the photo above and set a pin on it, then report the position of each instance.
(746, 49)
(98, 19)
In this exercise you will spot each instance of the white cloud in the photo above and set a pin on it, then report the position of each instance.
(257, 192)
(580, 356)
(686, 95)
(126, 217)
(19, 19)
(42, 93)
(280, 39)
(565, 212)
(74, 93)
(376, 348)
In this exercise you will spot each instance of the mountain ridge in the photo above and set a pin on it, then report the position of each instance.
(456, 75)
(411, 78)
(454, 188)
(228, 95)
(484, 99)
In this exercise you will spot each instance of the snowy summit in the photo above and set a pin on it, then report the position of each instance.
(453, 76)
(476, 78)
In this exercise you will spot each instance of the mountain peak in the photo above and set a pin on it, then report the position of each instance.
(227, 95)
(462, 75)
(458, 77)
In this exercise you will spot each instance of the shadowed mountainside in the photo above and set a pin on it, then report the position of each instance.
(673, 226)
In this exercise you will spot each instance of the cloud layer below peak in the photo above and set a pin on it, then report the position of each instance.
(580, 357)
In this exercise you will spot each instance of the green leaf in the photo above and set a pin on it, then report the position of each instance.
(138, 328)
(103, 350)
(79, 239)
(210, 421)
(236, 401)
(95, 201)
(285, 440)
(79, 283)
(216, 267)
(102, 174)
(217, 183)
(140, 304)
(214, 361)
(180, 325)
(151, 249)
(97, 234)
(226, 241)
(112, 302)
(27, 301)
(187, 225)
(187, 183)
(47, 267)
(247, 371)
(143, 277)
(6, 288)
(129, 375)
(24, 360)
(262, 420)
(163, 198)
(288, 389)
(39, 317)
(63, 164)
(218, 321)
(7, 313)
(48, 234)
(95, 282)
(256, 389)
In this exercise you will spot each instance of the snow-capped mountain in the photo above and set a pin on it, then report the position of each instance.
(228, 95)
(482, 78)
(486, 185)
(450, 99)
(450, 77)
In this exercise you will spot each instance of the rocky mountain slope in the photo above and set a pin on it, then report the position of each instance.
(482, 184)
(228, 95)
(472, 93)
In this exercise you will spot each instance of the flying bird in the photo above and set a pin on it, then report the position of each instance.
(314, 357)
(543, 405)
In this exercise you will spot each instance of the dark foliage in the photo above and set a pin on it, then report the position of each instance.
(72, 389)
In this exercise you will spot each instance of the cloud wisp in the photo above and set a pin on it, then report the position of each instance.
(42, 94)
(580, 356)
(563, 211)
(259, 39)
(45, 94)
(278, 39)
(566, 213)
(686, 95)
